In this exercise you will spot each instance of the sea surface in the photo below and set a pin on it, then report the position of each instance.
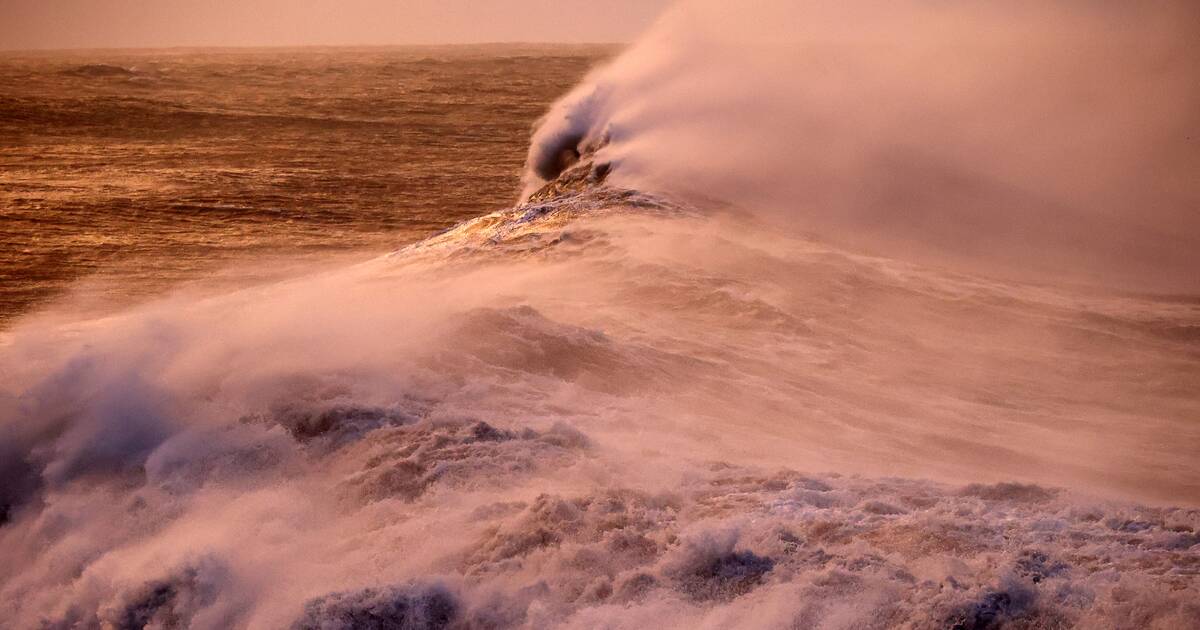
(294, 341)
(141, 170)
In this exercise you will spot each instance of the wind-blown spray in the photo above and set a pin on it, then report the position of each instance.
(1025, 138)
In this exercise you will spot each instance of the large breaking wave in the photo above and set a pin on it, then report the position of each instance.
(1023, 138)
(635, 398)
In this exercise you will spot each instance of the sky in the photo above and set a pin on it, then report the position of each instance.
(52, 24)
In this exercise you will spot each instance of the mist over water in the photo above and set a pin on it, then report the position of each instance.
(1031, 140)
(703, 376)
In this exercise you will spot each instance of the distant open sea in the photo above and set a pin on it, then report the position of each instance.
(142, 170)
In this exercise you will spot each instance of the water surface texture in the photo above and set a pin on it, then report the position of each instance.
(159, 166)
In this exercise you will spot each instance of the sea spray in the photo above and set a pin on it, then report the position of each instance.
(1030, 140)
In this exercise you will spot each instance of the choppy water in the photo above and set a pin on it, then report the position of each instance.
(160, 167)
(605, 406)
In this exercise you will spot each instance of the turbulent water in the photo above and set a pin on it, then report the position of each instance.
(612, 405)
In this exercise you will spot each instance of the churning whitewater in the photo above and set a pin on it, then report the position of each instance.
(672, 386)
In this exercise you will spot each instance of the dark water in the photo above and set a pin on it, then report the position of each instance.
(153, 168)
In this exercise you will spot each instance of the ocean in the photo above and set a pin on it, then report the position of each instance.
(141, 170)
(855, 321)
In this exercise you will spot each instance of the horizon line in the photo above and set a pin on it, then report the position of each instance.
(248, 47)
